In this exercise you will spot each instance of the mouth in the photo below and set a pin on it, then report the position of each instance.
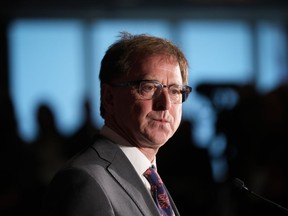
(161, 120)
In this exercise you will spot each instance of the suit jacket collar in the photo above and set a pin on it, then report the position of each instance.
(124, 173)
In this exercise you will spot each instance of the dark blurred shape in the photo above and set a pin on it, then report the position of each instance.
(16, 177)
(48, 148)
(256, 132)
(27, 168)
(83, 136)
(186, 171)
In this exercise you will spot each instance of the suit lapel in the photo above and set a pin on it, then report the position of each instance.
(124, 173)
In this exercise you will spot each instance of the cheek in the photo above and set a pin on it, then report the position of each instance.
(140, 111)
(133, 112)
(122, 108)
(177, 115)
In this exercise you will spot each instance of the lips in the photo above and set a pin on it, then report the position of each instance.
(162, 120)
(164, 117)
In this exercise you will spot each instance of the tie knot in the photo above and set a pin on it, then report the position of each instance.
(152, 176)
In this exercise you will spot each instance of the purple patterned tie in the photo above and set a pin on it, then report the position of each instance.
(158, 192)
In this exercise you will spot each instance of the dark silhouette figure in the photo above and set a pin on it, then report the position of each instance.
(15, 175)
(49, 146)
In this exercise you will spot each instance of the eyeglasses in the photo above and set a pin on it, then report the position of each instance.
(149, 89)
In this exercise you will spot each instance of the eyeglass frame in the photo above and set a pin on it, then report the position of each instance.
(159, 86)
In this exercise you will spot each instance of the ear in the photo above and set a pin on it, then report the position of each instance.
(107, 98)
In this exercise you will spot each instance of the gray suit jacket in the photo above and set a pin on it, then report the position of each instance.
(100, 181)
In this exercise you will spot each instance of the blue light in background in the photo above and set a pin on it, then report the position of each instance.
(46, 67)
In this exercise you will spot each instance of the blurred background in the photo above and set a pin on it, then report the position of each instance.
(235, 122)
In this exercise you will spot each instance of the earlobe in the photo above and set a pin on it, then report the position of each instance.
(107, 98)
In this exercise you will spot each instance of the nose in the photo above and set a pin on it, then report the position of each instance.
(162, 101)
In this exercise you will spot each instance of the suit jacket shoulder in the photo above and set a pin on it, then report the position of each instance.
(99, 181)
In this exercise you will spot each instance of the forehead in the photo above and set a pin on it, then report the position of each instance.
(158, 59)
(156, 65)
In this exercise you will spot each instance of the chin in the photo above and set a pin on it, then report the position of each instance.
(160, 139)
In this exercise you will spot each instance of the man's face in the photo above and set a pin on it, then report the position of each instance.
(146, 122)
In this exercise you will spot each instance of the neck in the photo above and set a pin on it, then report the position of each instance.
(149, 153)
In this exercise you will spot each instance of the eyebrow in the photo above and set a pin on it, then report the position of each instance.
(158, 82)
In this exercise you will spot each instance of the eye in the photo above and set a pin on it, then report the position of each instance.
(148, 87)
(175, 90)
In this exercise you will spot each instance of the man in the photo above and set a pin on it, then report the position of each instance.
(143, 84)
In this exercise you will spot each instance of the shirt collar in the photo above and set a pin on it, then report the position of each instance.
(135, 156)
